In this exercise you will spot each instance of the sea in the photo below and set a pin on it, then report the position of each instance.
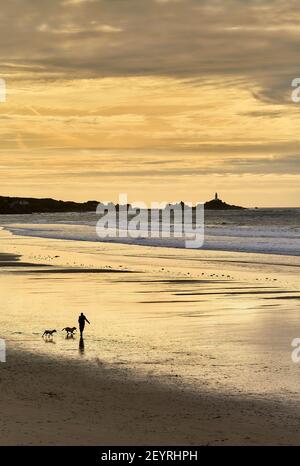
(267, 231)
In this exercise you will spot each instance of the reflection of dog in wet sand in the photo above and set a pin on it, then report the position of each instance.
(70, 331)
(49, 333)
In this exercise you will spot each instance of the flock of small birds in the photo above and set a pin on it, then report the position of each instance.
(187, 274)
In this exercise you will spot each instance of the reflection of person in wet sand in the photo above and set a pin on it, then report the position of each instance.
(81, 346)
(82, 319)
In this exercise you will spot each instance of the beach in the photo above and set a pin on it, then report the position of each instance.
(184, 347)
(50, 402)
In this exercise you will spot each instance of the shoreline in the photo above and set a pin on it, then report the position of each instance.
(173, 244)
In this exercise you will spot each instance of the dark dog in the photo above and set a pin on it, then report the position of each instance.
(70, 331)
(49, 333)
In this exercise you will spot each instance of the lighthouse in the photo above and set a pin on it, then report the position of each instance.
(216, 197)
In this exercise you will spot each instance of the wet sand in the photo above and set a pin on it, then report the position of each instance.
(179, 351)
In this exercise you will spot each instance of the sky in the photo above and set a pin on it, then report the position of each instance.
(164, 100)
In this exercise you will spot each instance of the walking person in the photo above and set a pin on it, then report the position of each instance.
(81, 320)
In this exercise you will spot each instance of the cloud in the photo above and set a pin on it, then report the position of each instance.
(168, 1)
(77, 2)
(93, 26)
(255, 41)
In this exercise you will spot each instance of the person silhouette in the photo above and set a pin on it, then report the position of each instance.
(81, 320)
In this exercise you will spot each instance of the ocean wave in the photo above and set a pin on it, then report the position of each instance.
(266, 240)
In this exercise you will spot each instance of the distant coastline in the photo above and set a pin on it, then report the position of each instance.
(29, 205)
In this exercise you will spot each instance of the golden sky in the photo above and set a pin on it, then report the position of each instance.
(161, 99)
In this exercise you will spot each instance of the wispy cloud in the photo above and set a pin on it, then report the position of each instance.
(93, 26)
(255, 40)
